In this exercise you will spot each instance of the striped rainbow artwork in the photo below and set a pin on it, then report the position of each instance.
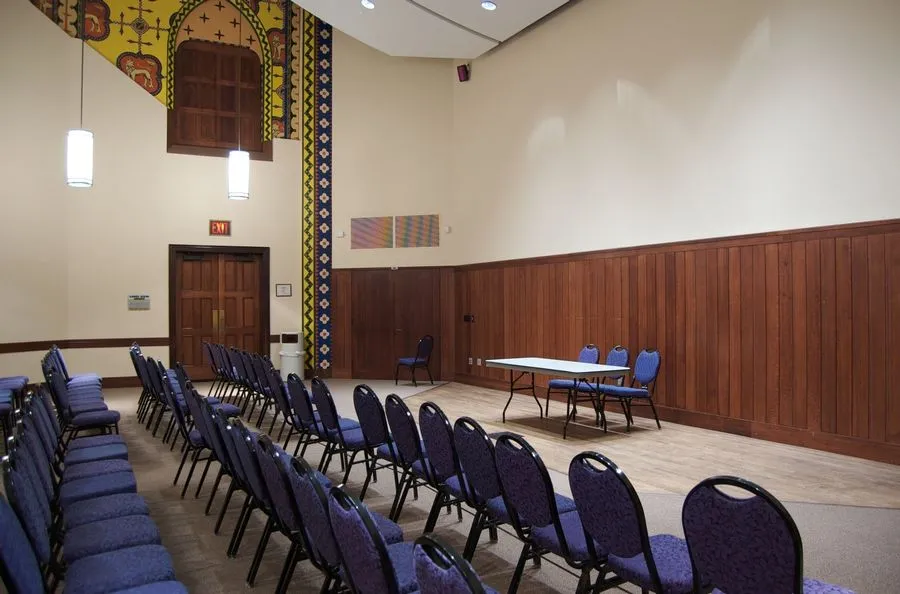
(417, 231)
(368, 233)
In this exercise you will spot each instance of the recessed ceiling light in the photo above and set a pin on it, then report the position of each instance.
(488, 5)
(367, 4)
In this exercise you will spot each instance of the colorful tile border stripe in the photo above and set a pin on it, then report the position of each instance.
(316, 201)
(371, 232)
(417, 231)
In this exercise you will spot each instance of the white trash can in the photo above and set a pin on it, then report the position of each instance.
(291, 355)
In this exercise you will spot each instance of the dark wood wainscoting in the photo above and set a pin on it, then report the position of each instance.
(380, 314)
(785, 336)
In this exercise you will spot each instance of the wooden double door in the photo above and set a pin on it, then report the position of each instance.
(390, 311)
(217, 295)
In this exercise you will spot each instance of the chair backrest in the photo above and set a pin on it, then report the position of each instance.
(19, 568)
(245, 446)
(646, 367)
(370, 414)
(364, 554)
(301, 403)
(312, 504)
(610, 509)
(589, 354)
(279, 393)
(404, 431)
(424, 348)
(324, 402)
(741, 545)
(279, 492)
(527, 488)
(28, 509)
(476, 458)
(441, 570)
(618, 357)
(437, 434)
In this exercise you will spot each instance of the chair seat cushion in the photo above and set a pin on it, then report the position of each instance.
(97, 468)
(673, 563)
(387, 451)
(546, 537)
(105, 508)
(561, 384)
(95, 419)
(229, 410)
(197, 440)
(85, 379)
(15, 383)
(411, 361)
(401, 555)
(96, 486)
(119, 570)
(5, 408)
(80, 407)
(113, 451)
(90, 441)
(390, 531)
(156, 588)
(354, 439)
(623, 391)
(5, 396)
(811, 586)
(109, 535)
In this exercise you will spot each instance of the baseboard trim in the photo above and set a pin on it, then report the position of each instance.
(817, 440)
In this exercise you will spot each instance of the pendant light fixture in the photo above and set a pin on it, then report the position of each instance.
(80, 143)
(239, 161)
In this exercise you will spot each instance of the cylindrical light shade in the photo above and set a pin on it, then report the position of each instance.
(239, 175)
(80, 159)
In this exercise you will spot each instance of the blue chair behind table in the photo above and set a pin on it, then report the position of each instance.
(420, 361)
(483, 492)
(441, 570)
(643, 382)
(618, 357)
(370, 564)
(379, 443)
(545, 521)
(613, 516)
(589, 354)
(745, 544)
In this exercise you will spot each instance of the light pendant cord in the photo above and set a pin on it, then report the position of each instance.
(240, 65)
(81, 114)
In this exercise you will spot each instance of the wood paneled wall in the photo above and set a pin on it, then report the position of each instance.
(785, 336)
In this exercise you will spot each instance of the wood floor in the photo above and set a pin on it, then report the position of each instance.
(674, 459)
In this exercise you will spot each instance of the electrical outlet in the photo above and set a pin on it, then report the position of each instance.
(479, 361)
(470, 360)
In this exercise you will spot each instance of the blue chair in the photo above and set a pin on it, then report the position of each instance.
(448, 478)
(545, 521)
(370, 564)
(420, 361)
(440, 569)
(379, 443)
(589, 354)
(483, 491)
(618, 357)
(416, 470)
(744, 544)
(643, 381)
(613, 518)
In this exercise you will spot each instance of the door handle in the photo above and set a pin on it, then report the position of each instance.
(215, 319)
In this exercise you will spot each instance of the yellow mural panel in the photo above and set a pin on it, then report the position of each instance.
(140, 37)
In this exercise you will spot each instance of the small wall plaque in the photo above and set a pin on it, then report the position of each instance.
(219, 227)
(137, 302)
(283, 290)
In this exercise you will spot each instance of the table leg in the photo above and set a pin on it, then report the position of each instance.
(513, 389)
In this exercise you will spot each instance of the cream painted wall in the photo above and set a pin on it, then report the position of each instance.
(71, 257)
(393, 121)
(628, 122)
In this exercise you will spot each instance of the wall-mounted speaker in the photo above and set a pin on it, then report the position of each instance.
(462, 72)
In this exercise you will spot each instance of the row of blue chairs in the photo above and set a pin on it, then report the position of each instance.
(324, 524)
(73, 515)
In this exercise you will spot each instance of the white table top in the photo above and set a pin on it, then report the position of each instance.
(558, 367)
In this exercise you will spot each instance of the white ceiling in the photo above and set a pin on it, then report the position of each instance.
(456, 29)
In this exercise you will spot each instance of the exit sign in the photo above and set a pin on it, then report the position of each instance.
(220, 227)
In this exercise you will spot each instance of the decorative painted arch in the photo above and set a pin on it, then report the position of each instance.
(259, 30)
